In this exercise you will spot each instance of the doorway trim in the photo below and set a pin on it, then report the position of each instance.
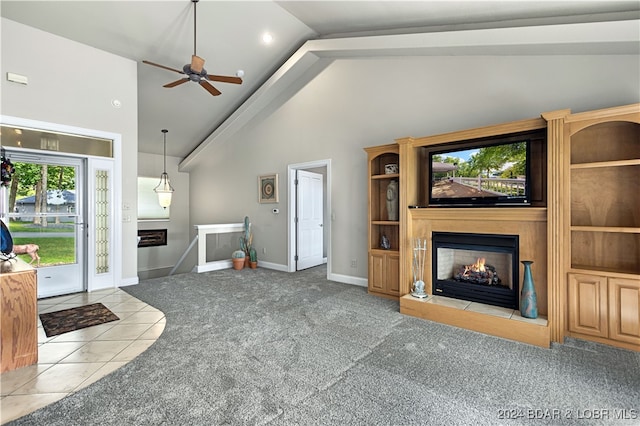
(291, 211)
(116, 211)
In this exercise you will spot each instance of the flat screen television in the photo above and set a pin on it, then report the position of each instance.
(481, 173)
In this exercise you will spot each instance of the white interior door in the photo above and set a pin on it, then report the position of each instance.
(45, 214)
(309, 213)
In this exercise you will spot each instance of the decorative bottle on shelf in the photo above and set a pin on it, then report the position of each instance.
(528, 297)
(385, 243)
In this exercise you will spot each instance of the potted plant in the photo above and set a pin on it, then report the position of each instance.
(246, 240)
(253, 258)
(238, 259)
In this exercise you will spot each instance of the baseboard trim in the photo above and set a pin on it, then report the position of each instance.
(274, 266)
(215, 265)
(348, 279)
(228, 264)
(126, 282)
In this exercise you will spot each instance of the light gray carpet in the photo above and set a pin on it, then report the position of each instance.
(266, 347)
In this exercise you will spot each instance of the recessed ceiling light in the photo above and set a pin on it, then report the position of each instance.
(267, 38)
(116, 103)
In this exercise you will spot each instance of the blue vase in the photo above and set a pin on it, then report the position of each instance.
(528, 298)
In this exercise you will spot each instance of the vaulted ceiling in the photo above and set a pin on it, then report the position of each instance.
(229, 38)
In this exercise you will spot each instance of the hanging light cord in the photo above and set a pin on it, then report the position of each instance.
(165, 151)
(195, 3)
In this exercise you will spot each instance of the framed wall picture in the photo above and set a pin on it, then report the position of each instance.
(268, 188)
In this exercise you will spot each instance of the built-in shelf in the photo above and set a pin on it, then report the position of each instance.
(618, 163)
(603, 218)
(609, 272)
(383, 251)
(384, 263)
(621, 229)
(386, 176)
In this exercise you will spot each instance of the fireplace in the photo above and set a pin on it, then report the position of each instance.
(476, 267)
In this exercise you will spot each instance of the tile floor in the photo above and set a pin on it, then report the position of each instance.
(72, 361)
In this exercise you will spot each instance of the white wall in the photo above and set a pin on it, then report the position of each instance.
(364, 102)
(158, 261)
(73, 84)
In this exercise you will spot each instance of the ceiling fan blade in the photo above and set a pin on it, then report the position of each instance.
(197, 63)
(176, 83)
(224, 78)
(162, 66)
(210, 88)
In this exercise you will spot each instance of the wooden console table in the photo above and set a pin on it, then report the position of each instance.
(18, 317)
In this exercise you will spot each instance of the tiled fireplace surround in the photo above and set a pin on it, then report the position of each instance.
(529, 223)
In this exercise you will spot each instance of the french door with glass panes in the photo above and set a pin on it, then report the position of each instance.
(45, 208)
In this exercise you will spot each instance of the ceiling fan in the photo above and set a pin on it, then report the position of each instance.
(195, 70)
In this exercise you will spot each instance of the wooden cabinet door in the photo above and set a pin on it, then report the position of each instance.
(624, 310)
(393, 273)
(588, 304)
(376, 272)
(384, 273)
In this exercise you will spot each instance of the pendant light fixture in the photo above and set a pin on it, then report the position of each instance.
(164, 188)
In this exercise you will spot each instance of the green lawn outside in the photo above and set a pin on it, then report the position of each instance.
(53, 251)
(15, 226)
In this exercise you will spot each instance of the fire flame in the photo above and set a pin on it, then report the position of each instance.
(475, 267)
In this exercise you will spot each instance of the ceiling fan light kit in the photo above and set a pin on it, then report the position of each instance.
(195, 71)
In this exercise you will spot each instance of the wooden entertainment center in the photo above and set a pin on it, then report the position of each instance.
(581, 229)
